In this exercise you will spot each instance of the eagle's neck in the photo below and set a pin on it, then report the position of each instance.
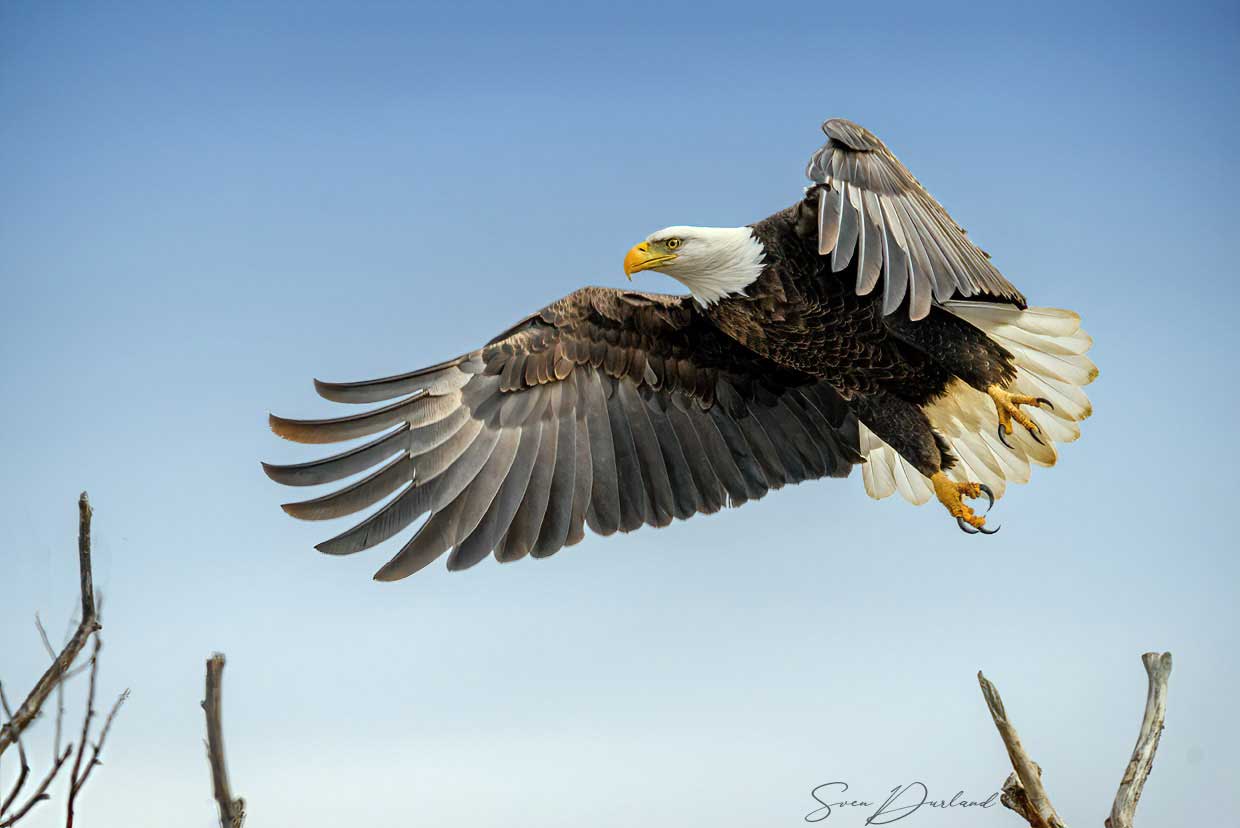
(732, 261)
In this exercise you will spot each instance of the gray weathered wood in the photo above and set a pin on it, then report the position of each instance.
(1027, 797)
(1158, 669)
(1023, 792)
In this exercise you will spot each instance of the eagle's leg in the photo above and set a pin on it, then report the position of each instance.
(967, 353)
(905, 427)
(1008, 407)
(951, 494)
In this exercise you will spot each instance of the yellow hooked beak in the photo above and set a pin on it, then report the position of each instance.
(642, 257)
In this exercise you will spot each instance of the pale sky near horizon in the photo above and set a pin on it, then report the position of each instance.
(203, 207)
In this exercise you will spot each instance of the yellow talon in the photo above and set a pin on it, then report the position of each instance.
(1008, 408)
(951, 494)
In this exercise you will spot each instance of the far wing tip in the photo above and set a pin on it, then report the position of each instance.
(330, 390)
(388, 574)
(279, 426)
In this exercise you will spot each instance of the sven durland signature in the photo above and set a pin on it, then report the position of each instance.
(902, 801)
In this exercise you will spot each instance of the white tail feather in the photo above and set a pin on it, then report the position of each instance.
(1049, 348)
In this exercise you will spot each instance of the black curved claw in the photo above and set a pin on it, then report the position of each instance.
(966, 528)
(1043, 401)
(990, 496)
(1033, 432)
(986, 531)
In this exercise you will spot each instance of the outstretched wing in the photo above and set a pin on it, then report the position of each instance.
(871, 206)
(606, 409)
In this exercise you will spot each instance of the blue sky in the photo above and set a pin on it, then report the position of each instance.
(202, 208)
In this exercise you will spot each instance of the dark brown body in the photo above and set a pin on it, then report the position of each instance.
(802, 315)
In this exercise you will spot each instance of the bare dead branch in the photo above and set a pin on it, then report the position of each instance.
(1158, 669)
(1023, 792)
(1014, 798)
(87, 574)
(75, 773)
(86, 627)
(1028, 796)
(60, 686)
(60, 671)
(40, 793)
(232, 811)
(97, 747)
(24, 771)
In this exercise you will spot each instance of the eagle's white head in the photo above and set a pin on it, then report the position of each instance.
(713, 262)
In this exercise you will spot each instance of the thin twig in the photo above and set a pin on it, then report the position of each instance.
(60, 686)
(1035, 806)
(21, 754)
(97, 747)
(232, 811)
(40, 793)
(76, 671)
(86, 719)
(1158, 669)
(86, 627)
(47, 643)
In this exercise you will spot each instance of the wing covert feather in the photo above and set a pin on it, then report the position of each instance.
(870, 207)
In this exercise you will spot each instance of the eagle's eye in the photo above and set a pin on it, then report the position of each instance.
(672, 244)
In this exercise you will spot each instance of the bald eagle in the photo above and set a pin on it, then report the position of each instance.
(858, 326)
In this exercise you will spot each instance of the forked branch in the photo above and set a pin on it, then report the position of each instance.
(1024, 793)
(60, 666)
(79, 774)
(54, 678)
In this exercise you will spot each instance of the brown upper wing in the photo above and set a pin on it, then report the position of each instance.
(606, 409)
(871, 206)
